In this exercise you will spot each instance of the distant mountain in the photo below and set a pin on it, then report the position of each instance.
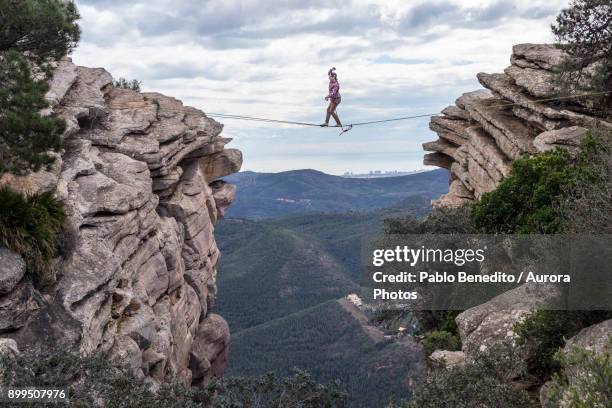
(267, 195)
(332, 341)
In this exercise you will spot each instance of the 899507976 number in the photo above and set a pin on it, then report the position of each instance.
(32, 394)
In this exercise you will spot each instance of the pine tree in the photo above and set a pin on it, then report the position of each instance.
(41, 28)
(32, 34)
(584, 32)
(25, 135)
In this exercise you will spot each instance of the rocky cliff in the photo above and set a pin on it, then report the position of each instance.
(139, 176)
(479, 137)
(486, 129)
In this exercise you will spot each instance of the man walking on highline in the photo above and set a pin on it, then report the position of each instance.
(333, 97)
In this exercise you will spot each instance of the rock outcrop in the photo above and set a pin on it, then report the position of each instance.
(139, 180)
(595, 339)
(448, 358)
(493, 321)
(479, 138)
(487, 129)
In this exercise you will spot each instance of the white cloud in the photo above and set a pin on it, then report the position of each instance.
(262, 58)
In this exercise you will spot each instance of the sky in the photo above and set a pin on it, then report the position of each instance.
(270, 59)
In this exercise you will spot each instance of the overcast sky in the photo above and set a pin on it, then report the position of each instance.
(270, 59)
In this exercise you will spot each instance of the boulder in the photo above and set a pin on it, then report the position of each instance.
(535, 81)
(568, 138)
(64, 76)
(493, 321)
(448, 358)
(8, 347)
(592, 338)
(543, 56)
(12, 269)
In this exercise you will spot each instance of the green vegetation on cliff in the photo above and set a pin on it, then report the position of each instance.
(544, 332)
(543, 194)
(572, 388)
(583, 32)
(484, 382)
(30, 225)
(33, 35)
(553, 192)
(94, 382)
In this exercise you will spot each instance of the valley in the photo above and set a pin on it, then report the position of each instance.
(283, 279)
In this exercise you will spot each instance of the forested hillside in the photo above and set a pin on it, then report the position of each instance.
(331, 343)
(272, 268)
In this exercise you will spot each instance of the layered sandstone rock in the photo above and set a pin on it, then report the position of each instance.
(138, 176)
(479, 138)
(487, 129)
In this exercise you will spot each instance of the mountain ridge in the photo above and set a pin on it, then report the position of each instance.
(269, 195)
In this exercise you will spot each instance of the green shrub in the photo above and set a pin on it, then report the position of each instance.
(34, 33)
(440, 340)
(94, 382)
(30, 225)
(42, 28)
(545, 193)
(543, 332)
(25, 135)
(586, 378)
(132, 84)
(483, 382)
(524, 202)
(584, 32)
(587, 203)
(440, 221)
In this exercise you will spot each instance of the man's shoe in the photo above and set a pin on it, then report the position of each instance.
(324, 125)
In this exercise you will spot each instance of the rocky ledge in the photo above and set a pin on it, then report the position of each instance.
(489, 128)
(139, 176)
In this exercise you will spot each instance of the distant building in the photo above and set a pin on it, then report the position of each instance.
(379, 173)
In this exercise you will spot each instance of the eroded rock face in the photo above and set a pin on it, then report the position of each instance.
(485, 130)
(138, 177)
